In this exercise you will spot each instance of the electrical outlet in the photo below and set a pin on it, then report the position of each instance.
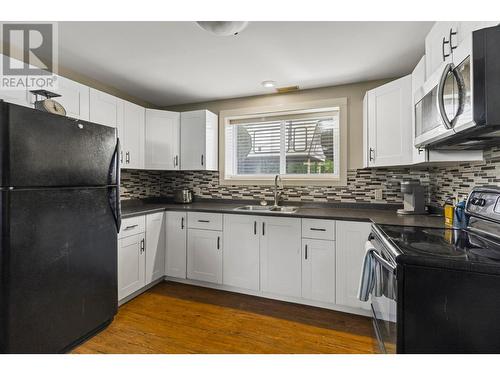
(379, 195)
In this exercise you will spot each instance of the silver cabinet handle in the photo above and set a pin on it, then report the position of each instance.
(255, 227)
(445, 55)
(202, 159)
(372, 154)
(127, 157)
(318, 229)
(218, 242)
(121, 156)
(203, 221)
(131, 226)
(452, 34)
(306, 252)
(176, 160)
(182, 222)
(142, 246)
(263, 228)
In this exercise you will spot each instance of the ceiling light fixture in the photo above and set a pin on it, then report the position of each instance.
(268, 84)
(223, 28)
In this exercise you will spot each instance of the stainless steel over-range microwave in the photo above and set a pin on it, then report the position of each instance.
(458, 107)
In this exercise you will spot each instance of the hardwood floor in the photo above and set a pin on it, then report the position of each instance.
(178, 318)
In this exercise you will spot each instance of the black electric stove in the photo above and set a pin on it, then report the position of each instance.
(437, 290)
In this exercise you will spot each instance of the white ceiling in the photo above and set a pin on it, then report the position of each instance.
(167, 63)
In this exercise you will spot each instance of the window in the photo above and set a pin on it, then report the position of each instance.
(302, 146)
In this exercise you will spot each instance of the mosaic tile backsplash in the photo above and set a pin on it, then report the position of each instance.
(441, 182)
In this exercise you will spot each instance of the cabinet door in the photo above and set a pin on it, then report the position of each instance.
(280, 256)
(318, 270)
(133, 136)
(350, 252)
(193, 140)
(103, 108)
(204, 255)
(435, 50)
(162, 139)
(155, 246)
(74, 98)
(131, 265)
(241, 251)
(175, 260)
(389, 124)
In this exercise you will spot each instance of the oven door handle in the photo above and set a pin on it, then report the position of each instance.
(387, 265)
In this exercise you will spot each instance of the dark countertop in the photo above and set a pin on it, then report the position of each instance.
(350, 212)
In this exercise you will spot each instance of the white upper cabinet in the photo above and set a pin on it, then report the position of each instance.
(104, 108)
(388, 124)
(162, 139)
(199, 140)
(241, 251)
(155, 246)
(131, 132)
(74, 98)
(437, 46)
(443, 39)
(350, 252)
(280, 256)
(318, 270)
(175, 259)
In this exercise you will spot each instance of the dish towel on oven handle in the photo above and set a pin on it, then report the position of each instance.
(370, 279)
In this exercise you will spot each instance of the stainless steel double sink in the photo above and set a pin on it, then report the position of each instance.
(268, 209)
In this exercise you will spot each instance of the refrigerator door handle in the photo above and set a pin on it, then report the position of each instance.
(115, 205)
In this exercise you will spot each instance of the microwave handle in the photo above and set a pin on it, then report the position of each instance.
(440, 97)
(450, 68)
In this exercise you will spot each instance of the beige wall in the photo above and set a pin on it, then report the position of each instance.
(353, 92)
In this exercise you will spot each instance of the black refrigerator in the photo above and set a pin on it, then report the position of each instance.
(60, 214)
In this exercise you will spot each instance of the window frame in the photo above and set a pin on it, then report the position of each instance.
(324, 105)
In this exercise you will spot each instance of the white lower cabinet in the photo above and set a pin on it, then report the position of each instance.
(204, 255)
(318, 270)
(350, 251)
(241, 251)
(280, 256)
(141, 252)
(131, 264)
(176, 239)
(309, 261)
(155, 246)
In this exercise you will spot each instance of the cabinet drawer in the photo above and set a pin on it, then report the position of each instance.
(318, 229)
(204, 220)
(132, 225)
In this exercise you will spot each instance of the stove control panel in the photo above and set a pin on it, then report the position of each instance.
(485, 203)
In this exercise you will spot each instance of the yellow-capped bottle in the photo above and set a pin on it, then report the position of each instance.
(449, 210)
